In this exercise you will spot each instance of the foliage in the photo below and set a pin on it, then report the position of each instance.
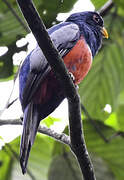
(98, 4)
(11, 30)
(49, 121)
(38, 163)
(10, 27)
(50, 159)
(103, 85)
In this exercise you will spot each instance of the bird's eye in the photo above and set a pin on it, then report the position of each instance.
(96, 18)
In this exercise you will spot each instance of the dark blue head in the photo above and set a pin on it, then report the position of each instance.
(91, 25)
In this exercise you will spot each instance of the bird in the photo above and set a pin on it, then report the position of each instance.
(77, 40)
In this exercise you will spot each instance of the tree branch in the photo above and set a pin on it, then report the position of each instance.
(77, 139)
(106, 8)
(10, 122)
(61, 137)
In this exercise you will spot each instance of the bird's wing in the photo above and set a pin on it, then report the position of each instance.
(64, 37)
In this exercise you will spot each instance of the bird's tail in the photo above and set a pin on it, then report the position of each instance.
(30, 126)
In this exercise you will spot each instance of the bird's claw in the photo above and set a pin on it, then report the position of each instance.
(72, 77)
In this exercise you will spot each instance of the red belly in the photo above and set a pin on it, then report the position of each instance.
(79, 60)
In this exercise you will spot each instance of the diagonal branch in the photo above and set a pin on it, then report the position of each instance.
(76, 135)
(106, 7)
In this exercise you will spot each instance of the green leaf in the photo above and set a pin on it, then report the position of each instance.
(47, 158)
(50, 121)
(10, 27)
(1, 138)
(120, 117)
(64, 163)
(5, 165)
(98, 3)
(121, 98)
(111, 153)
(102, 170)
(65, 166)
(113, 121)
(119, 3)
(12, 30)
(39, 160)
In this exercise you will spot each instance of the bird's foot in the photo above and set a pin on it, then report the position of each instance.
(73, 79)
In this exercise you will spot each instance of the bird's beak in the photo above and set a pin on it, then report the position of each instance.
(104, 33)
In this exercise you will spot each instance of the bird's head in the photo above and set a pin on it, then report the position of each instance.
(91, 26)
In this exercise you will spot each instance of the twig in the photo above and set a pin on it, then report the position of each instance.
(11, 103)
(106, 8)
(77, 140)
(10, 122)
(61, 137)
